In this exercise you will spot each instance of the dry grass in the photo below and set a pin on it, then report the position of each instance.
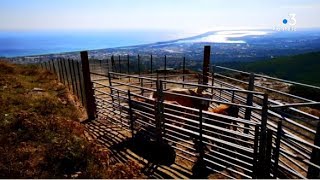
(40, 133)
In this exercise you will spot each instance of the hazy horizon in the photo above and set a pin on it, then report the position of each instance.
(188, 16)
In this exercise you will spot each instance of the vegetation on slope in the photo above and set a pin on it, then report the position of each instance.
(302, 68)
(40, 133)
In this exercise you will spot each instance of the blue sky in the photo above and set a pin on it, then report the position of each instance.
(186, 15)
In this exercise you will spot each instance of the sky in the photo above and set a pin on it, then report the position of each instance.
(186, 15)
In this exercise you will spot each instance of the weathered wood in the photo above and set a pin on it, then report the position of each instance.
(212, 80)
(49, 65)
(128, 66)
(54, 67)
(249, 101)
(142, 89)
(75, 79)
(112, 63)
(206, 62)
(71, 76)
(165, 70)
(268, 154)
(255, 152)
(80, 84)
(263, 139)
(131, 114)
(66, 73)
(119, 59)
(139, 70)
(90, 100)
(201, 146)
(111, 89)
(183, 69)
(313, 172)
(62, 71)
(151, 63)
(276, 150)
(100, 64)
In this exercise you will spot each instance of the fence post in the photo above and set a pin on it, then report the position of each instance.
(49, 65)
(141, 84)
(151, 63)
(46, 65)
(111, 90)
(255, 152)
(54, 68)
(165, 70)
(313, 172)
(88, 86)
(263, 139)
(108, 66)
(119, 57)
(75, 79)
(130, 114)
(66, 73)
(112, 64)
(183, 69)
(277, 150)
(212, 80)
(72, 77)
(62, 71)
(159, 110)
(128, 65)
(139, 71)
(268, 154)
(201, 147)
(80, 84)
(232, 98)
(206, 62)
(247, 114)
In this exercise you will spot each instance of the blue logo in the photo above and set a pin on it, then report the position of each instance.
(285, 21)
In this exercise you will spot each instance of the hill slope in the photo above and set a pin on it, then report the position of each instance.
(304, 68)
(40, 133)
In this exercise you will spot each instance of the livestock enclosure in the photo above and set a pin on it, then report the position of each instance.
(276, 134)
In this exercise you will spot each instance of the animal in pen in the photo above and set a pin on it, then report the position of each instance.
(181, 112)
(175, 101)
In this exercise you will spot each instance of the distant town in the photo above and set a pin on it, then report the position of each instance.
(250, 48)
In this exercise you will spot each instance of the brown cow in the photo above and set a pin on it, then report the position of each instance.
(229, 110)
(187, 100)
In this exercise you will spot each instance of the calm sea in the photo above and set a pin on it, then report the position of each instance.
(45, 42)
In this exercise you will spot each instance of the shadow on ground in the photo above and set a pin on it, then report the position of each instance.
(123, 148)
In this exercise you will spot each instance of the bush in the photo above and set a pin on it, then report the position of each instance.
(309, 93)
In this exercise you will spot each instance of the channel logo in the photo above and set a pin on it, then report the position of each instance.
(288, 23)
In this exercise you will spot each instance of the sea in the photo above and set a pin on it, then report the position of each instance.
(27, 43)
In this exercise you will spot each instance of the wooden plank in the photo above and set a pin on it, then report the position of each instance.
(277, 151)
(90, 101)
(206, 62)
(247, 114)
(313, 172)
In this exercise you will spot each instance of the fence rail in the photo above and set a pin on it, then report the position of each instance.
(271, 138)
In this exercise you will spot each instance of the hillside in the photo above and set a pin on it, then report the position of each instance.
(40, 133)
(302, 68)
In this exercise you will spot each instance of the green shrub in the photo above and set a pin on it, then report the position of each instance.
(309, 93)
